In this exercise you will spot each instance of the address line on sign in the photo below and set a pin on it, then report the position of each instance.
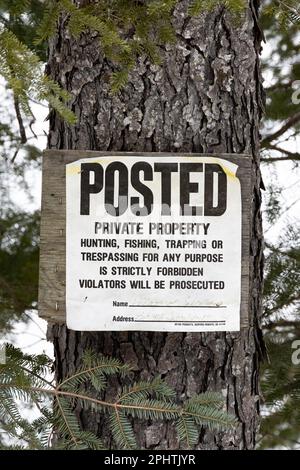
(223, 322)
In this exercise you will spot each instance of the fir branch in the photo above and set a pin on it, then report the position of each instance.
(68, 419)
(20, 120)
(234, 6)
(145, 389)
(284, 11)
(126, 30)
(187, 431)
(23, 72)
(209, 398)
(289, 156)
(212, 418)
(121, 429)
(289, 123)
(102, 365)
(143, 400)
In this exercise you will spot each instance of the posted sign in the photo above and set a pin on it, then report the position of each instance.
(153, 242)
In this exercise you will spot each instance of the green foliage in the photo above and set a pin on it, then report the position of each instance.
(187, 431)
(119, 80)
(273, 203)
(237, 7)
(285, 12)
(208, 416)
(281, 385)
(24, 378)
(23, 73)
(282, 273)
(122, 430)
(18, 369)
(22, 18)
(126, 29)
(19, 236)
(282, 70)
(281, 379)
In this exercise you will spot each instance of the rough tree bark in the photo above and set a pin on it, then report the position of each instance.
(205, 97)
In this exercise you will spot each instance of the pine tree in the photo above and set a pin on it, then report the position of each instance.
(204, 96)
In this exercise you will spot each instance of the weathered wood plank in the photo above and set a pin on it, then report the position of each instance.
(53, 226)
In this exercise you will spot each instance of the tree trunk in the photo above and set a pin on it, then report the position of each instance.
(205, 97)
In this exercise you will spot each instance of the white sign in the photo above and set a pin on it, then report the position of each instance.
(153, 243)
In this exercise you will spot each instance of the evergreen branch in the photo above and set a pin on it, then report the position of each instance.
(150, 409)
(280, 86)
(293, 12)
(90, 440)
(187, 431)
(212, 418)
(122, 430)
(126, 30)
(63, 414)
(286, 12)
(150, 406)
(200, 6)
(23, 72)
(291, 324)
(9, 410)
(291, 156)
(38, 376)
(289, 123)
(145, 409)
(289, 253)
(290, 300)
(144, 389)
(109, 366)
(208, 399)
(144, 400)
(20, 120)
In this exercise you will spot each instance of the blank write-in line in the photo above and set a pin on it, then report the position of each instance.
(180, 321)
(179, 306)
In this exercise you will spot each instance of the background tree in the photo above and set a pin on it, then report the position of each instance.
(280, 378)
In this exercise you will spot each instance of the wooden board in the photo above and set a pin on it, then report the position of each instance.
(53, 226)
